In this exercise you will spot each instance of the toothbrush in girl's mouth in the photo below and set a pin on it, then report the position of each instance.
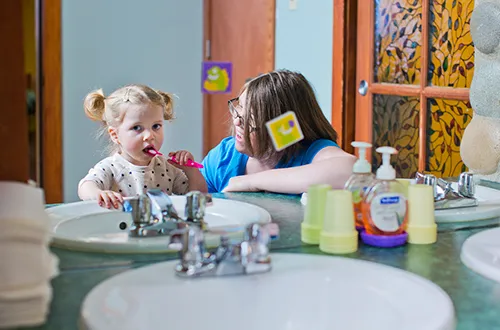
(189, 162)
(153, 151)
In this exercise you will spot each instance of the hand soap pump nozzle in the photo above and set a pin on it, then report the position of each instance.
(386, 171)
(362, 165)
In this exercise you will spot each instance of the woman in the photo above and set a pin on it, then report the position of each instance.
(247, 160)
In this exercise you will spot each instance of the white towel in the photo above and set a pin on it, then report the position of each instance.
(28, 307)
(27, 265)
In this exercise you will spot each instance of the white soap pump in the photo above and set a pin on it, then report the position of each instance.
(362, 165)
(386, 171)
(359, 181)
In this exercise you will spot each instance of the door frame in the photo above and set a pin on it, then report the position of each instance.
(206, 57)
(344, 71)
(49, 100)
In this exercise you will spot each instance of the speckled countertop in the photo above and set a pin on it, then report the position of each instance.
(476, 299)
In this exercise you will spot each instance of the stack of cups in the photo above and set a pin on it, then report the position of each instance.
(339, 234)
(422, 228)
(27, 266)
(314, 213)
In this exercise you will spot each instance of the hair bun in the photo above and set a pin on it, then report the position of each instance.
(94, 105)
(168, 112)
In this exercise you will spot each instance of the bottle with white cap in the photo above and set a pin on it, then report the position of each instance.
(385, 206)
(361, 178)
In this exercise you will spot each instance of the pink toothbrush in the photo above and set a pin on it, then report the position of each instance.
(154, 152)
(189, 163)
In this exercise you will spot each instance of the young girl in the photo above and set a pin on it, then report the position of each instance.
(133, 117)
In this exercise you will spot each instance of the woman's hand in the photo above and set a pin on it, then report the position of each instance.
(181, 157)
(108, 199)
(240, 183)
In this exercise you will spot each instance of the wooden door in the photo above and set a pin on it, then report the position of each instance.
(14, 151)
(415, 61)
(241, 32)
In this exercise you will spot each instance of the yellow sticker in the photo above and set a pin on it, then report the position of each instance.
(284, 130)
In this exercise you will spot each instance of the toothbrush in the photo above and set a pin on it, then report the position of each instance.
(189, 162)
(154, 152)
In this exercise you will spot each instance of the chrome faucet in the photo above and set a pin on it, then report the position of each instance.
(248, 256)
(445, 197)
(153, 213)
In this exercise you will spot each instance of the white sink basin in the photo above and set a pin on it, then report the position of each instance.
(85, 226)
(488, 208)
(302, 292)
(481, 253)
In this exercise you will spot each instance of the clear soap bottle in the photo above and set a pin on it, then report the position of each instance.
(384, 205)
(361, 178)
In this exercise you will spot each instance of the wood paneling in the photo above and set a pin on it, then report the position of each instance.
(344, 71)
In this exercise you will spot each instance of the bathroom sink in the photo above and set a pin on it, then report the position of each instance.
(488, 208)
(85, 226)
(300, 292)
(481, 253)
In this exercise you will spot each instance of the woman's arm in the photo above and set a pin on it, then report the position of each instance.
(331, 165)
(196, 180)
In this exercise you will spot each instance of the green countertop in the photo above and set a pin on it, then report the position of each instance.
(476, 299)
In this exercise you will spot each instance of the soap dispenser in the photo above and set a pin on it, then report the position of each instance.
(361, 178)
(385, 207)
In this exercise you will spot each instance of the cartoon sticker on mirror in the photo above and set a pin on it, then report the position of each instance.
(216, 77)
(284, 130)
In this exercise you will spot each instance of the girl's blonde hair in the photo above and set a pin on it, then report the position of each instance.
(111, 110)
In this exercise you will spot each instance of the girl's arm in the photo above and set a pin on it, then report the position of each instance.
(88, 190)
(331, 165)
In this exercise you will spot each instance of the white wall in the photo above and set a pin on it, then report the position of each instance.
(107, 44)
(304, 43)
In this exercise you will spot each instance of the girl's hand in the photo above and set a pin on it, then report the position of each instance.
(108, 199)
(181, 156)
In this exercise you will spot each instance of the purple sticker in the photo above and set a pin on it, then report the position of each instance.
(216, 77)
(291, 123)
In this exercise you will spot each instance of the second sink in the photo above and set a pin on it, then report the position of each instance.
(85, 226)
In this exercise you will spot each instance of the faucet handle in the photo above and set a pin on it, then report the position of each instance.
(256, 241)
(428, 179)
(140, 208)
(466, 185)
(440, 187)
(196, 203)
(179, 237)
(262, 232)
(162, 208)
(419, 178)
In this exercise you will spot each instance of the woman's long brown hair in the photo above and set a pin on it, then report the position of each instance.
(271, 95)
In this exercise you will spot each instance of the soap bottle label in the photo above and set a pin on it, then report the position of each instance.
(388, 211)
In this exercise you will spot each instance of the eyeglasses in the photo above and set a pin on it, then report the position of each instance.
(234, 105)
